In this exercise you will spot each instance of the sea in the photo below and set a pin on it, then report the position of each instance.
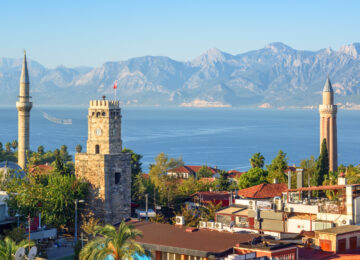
(222, 137)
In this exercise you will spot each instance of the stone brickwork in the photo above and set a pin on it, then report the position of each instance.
(104, 166)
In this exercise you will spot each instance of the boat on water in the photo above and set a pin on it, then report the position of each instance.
(57, 120)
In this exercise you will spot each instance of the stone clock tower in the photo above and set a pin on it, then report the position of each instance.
(104, 165)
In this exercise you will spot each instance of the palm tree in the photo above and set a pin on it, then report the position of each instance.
(14, 144)
(1, 146)
(8, 248)
(8, 147)
(257, 160)
(119, 243)
(41, 150)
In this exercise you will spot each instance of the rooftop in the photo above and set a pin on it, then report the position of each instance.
(263, 191)
(212, 195)
(339, 230)
(233, 211)
(200, 243)
(190, 169)
(329, 187)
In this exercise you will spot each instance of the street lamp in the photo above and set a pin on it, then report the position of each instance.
(76, 206)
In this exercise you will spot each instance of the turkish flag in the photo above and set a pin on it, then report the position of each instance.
(115, 84)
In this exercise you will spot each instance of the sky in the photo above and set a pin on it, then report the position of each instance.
(90, 33)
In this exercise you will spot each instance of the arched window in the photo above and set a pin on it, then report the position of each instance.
(97, 148)
(103, 114)
(97, 114)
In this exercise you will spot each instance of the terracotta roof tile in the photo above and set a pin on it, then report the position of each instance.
(263, 191)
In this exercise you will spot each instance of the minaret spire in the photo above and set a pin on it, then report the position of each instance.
(328, 127)
(23, 106)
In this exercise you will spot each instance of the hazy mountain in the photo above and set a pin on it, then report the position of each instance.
(277, 74)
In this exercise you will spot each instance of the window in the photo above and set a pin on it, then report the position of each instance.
(97, 114)
(103, 114)
(97, 148)
(117, 177)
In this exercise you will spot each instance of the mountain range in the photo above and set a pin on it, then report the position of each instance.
(274, 76)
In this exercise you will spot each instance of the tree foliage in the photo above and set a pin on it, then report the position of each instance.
(119, 243)
(322, 166)
(162, 164)
(253, 177)
(257, 160)
(51, 195)
(8, 248)
(135, 170)
(204, 172)
(277, 167)
(223, 182)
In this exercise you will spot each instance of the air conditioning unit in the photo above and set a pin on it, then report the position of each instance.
(180, 220)
(288, 209)
(218, 225)
(278, 204)
(346, 222)
(202, 224)
(210, 224)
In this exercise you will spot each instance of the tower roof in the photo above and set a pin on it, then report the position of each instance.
(327, 86)
(24, 78)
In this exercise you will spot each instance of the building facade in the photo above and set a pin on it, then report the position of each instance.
(104, 165)
(328, 128)
(23, 106)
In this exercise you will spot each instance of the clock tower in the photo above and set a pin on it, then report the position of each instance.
(104, 166)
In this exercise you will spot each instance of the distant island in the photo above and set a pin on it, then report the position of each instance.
(276, 76)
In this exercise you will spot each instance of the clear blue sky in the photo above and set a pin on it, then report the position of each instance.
(91, 32)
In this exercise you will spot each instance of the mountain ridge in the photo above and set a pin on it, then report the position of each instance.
(277, 75)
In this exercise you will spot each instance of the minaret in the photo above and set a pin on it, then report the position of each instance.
(328, 124)
(23, 106)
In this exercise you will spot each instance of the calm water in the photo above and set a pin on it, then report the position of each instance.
(223, 137)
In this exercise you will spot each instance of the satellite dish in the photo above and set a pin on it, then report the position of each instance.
(32, 253)
(20, 254)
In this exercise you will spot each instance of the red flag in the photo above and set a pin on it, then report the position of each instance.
(115, 84)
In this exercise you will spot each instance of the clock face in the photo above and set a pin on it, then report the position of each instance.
(98, 131)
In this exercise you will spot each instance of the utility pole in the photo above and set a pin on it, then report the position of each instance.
(154, 201)
(146, 209)
(76, 204)
(29, 219)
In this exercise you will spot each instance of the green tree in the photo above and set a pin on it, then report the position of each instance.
(8, 147)
(64, 155)
(257, 160)
(208, 211)
(277, 167)
(322, 166)
(8, 248)
(204, 172)
(353, 174)
(161, 166)
(223, 182)
(253, 177)
(119, 243)
(14, 144)
(1, 147)
(309, 167)
(135, 169)
(51, 195)
(330, 179)
(78, 148)
(191, 216)
(41, 150)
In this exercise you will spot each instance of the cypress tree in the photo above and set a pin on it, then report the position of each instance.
(322, 166)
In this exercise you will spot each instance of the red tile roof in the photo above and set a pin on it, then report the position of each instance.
(212, 195)
(263, 191)
(329, 187)
(192, 169)
(235, 174)
(201, 242)
(41, 169)
(207, 180)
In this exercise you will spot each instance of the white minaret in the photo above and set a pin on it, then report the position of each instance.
(328, 128)
(23, 106)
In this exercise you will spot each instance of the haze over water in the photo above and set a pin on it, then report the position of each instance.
(218, 137)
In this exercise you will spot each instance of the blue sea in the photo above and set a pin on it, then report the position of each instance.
(221, 137)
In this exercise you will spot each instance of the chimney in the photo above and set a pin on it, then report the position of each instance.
(289, 179)
(276, 181)
(342, 179)
(299, 178)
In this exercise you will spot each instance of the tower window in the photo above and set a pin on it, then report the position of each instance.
(93, 113)
(97, 114)
(117, 177)
(103, 114)
(97, 148)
